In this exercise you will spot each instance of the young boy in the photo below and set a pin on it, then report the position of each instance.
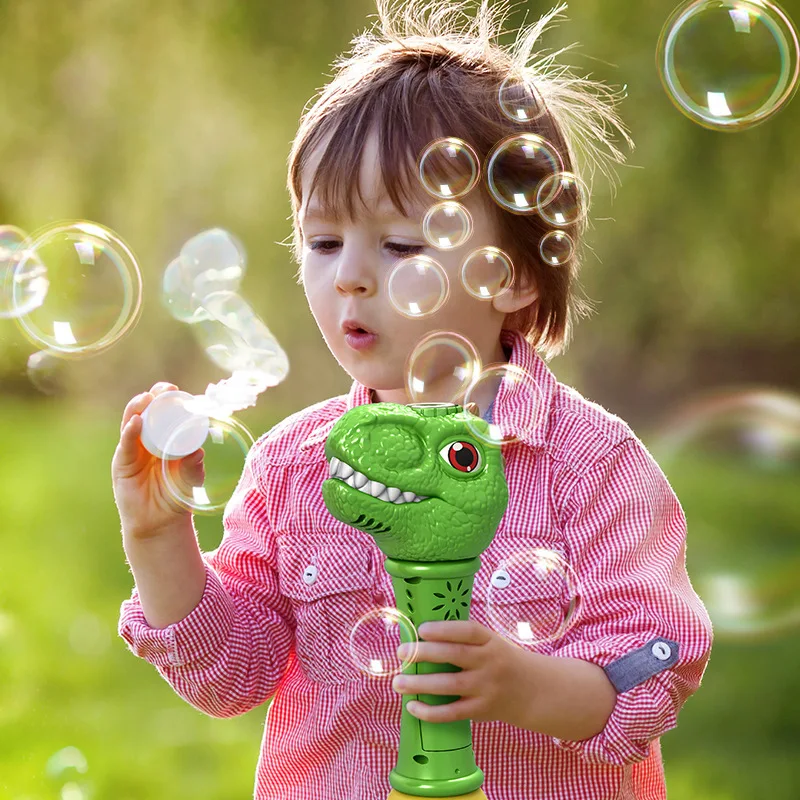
(269, 613)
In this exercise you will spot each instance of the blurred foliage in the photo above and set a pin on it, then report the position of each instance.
(162, 120)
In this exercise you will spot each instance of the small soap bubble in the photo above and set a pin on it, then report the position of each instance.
(207, 489)
(487, 272)
(94, 293)
(47, 373)
(375, 638)
(517, 405)
(534, 597)
(561, 199)
(520, 100)
(729, 64)
(556, 248)
(449, 168)
(733, 458)
(417, 286)
(441, 367)
(516, 167)
(21, 289)
(89, 636)
(447, 225)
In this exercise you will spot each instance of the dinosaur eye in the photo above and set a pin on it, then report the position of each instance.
(463, 456)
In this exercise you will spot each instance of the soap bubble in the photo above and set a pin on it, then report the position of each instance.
(417, 286)
(441, 367)
(212, 261)
(21, 290)
(520, 100)
(516, 167)
(534, 597)
(561, 199)
(46, 372)
(729, 64)
(733, 459)
(556, 248)
(449, 168)
(224, 453)
(375, 638)
(487, 272)
(94, 293)
(517, 407)
(447, 225)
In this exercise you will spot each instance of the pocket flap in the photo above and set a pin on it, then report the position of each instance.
(310, 571)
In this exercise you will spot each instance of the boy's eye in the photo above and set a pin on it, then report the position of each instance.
(329, 245)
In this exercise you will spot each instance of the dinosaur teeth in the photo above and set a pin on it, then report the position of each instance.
(357, 480)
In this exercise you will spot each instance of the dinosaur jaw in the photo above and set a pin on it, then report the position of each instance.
(342, 471)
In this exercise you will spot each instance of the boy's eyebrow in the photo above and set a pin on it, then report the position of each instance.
(384, 211)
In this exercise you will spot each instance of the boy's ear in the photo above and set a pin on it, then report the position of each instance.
(516, 297)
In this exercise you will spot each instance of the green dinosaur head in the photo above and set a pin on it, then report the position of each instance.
(417, 479)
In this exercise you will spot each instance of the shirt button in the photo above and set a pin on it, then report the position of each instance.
(500, 579)
(310, 574)
(661, 651)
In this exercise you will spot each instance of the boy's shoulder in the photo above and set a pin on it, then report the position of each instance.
(288, 440)
(581, 432)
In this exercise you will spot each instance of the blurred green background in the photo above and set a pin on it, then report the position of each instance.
(160, 120)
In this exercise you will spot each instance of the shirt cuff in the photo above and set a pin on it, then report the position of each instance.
(190, 642)
(642, 713)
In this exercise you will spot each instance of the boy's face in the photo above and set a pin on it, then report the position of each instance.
(345, 267)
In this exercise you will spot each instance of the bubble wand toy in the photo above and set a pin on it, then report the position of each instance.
(431, 493)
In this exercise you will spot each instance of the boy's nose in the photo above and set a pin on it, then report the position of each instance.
(355, 275)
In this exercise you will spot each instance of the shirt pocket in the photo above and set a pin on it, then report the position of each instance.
(331, 588)
(527, 592)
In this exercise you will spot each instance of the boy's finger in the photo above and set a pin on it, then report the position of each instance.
(161, 387)
(136, 406)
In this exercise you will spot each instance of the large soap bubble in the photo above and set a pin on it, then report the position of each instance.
(729, 64)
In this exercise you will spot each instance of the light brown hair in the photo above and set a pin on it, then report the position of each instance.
(418, 78)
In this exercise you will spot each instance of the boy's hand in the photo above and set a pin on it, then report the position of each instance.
(495, 682)
(146, 505)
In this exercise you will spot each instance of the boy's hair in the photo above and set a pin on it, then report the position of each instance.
(425, 79)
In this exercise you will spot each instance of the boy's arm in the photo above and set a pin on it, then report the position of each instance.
(230, 652)
(641, 621)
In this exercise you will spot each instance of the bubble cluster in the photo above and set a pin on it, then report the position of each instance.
(212, 261)
(729, 64)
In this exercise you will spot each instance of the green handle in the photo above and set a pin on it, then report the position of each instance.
(435, 759)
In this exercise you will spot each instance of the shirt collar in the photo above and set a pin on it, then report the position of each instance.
(512, 406)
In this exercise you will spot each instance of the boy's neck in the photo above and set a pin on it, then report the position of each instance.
(483, 395)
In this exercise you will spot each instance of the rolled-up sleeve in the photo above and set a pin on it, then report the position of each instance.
(641, 620)
(229, 654)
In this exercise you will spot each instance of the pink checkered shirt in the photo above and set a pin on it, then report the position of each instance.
(287, 582)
